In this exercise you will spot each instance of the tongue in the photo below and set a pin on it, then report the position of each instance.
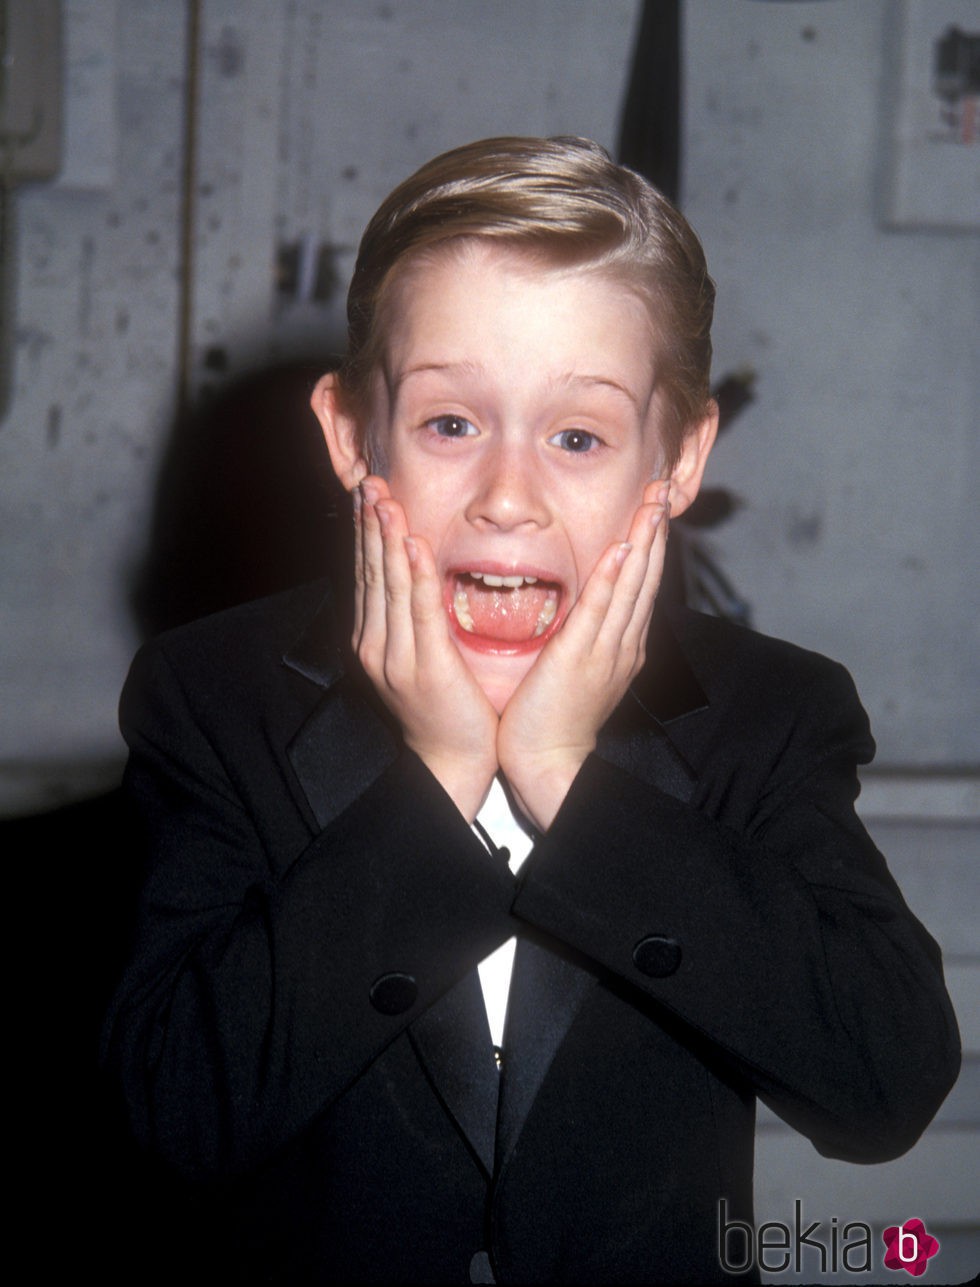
(510, 615)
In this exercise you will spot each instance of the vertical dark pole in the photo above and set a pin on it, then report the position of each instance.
(649, 136)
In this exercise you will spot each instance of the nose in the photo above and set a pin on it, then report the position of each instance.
(509, 493)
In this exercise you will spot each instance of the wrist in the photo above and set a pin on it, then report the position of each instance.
(466, 781)
(541, 784)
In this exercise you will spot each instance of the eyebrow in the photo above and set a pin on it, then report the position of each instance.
(462, 368)
(570, 379)
(574, 379)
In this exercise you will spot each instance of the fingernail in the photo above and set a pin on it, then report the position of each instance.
(370, 492)
(663, 495)
(412, 550)
(384, 518)
(622, 553)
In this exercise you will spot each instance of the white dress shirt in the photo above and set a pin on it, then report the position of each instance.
(506, 831)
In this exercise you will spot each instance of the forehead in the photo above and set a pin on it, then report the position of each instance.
(476, 305)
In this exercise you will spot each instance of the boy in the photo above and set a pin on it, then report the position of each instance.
(520, 790)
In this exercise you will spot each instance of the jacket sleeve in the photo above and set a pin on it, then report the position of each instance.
(773, 930)
(259, 990)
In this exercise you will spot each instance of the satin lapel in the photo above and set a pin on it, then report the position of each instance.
(344, 744)
(340, 750)
(546, 992)
(639, 735)
(452, 1041)
(646, 751)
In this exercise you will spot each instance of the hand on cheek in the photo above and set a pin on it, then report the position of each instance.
(550, 725)
(402, 639)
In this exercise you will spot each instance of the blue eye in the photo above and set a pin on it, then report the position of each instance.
(451, 427)
(576, 440)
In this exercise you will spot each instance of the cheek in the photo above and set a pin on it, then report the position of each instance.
(601, 523)
(428, 509)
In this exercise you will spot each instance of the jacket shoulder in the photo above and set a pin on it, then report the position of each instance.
(261, 626)
(768, 700)
(731, 659)
(239, 660)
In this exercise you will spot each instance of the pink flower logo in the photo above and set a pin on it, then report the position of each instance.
(909, 1246)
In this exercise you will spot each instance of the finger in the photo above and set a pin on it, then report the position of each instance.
(397, 588)
(373, 619)
(648, 536)
(587, 617)
(635, 632)
(357, 500)
(657, 492)
(433, 645)
(625, 604)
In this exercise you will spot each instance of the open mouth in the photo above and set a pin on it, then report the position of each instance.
(503, 613)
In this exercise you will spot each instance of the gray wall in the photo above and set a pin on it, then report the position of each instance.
(859, 464)
(856, 463)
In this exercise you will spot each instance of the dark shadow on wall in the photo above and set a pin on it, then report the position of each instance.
(246, 503)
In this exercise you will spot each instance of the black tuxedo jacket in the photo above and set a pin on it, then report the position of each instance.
(301, 1028)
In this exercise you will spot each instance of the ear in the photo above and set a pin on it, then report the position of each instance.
(685, 478)
(340, 431)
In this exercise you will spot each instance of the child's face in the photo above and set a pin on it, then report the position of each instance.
(520, 420)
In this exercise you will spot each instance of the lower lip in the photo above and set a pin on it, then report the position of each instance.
(480, 643)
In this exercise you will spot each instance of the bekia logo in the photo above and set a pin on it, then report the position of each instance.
(909, 1246)
(774, 1247)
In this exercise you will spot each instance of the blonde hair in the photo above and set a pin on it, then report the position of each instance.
(563, 200)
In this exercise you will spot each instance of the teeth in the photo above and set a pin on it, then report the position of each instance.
(461, 607)
(547, 615)
(496, 582)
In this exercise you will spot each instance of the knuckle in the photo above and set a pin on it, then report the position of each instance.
(395, 675)
(371, 657)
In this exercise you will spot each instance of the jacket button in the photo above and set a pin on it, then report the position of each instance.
(394, 993)
(657, 956)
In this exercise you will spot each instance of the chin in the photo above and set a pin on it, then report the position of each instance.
(498, 676)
